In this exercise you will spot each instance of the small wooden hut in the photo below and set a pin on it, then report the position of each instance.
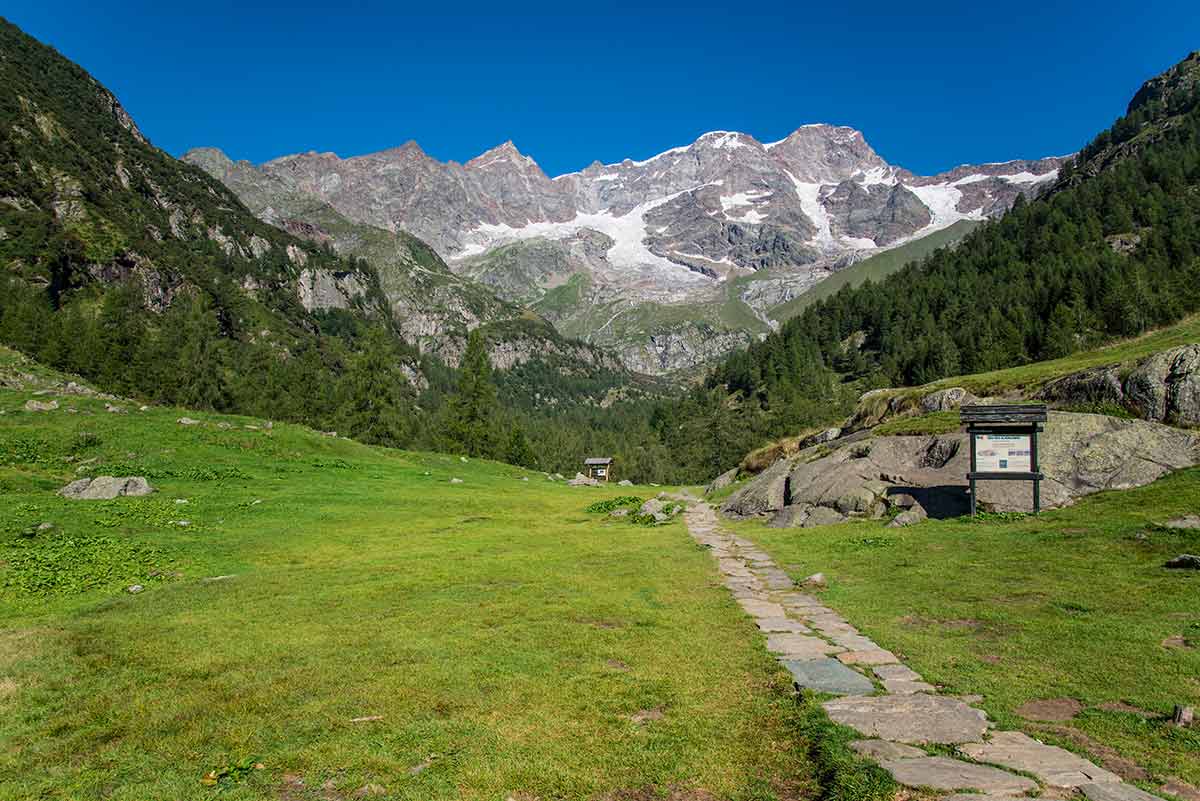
(598, 467)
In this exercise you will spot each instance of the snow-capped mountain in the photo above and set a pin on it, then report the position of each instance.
(669, 230)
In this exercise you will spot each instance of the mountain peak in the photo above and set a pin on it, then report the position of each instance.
(506, 152)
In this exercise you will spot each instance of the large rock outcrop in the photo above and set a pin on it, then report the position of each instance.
(1164, 387)
(1079, 454)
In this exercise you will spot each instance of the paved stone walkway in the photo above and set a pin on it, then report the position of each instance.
(894, 709)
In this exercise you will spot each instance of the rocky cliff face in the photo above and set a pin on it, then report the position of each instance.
(673, 229)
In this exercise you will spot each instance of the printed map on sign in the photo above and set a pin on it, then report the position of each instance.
(1002, 453)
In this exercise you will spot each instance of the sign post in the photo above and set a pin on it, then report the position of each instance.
(1004, 446)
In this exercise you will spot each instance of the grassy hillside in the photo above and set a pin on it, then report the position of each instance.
(1074, 603)
(1027, 378)
(875, 268)
(319, 616)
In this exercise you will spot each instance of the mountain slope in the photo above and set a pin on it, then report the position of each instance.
(433, 307)
(671, 231)
(127, 266)
(1112, 250)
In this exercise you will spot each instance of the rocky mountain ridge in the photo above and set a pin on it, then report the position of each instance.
(677, 230)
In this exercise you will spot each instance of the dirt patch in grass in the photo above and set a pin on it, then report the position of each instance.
(1181, 789)
(616, 664)
(19, 644)
(1121, 706)
(1050, 709)
(651, 793)
(644, 716)
(1108, 758)
(1177, 641)
(8, 687)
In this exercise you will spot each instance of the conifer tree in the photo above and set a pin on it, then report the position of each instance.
(375, 396)
(519, 451)
(468, 424)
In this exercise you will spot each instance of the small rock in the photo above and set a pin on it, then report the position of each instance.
(618, 513)
(103, 488)
(134, 589)
(367, 719)
(722, 481)
(822, 516)
(816, 580)
(1184, 716)
(224, 426)
(111, 409)
(143, 408)
(914, 514)
(1188, 522)
(45, 526)
(462, 459)
(187, 421)
(1184, 561)
(370, 791)
(624, 483)
(180, 501)
(456, 481)
(40, 406)
(328, 433)
(650, 507)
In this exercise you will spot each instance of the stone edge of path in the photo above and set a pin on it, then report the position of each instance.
(901, 712)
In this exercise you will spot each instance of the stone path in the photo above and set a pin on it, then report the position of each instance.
(899, 714)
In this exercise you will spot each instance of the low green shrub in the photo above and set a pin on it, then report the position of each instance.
(612, 504)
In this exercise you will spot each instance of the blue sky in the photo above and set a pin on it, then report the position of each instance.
(931, 85)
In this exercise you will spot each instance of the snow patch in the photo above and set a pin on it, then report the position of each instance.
(810, 204)
(878, 175)
(627, 231)
(858, 242)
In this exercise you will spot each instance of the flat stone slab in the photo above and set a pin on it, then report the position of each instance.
(944, 773)
(1111, 791)
(854, 642)
(828, 676)
(917, 718)
(901, 672)
(803, 599)
(782, 624)
(1054, 766)
(879, 750)
(875, 657)
(906, 687)
(985, 797)
(764, 609)
(799, 647)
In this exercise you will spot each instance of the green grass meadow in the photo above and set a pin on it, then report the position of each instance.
(1074, 603)
(502, 639)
